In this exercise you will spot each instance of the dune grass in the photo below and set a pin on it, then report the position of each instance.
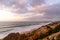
(57, 29)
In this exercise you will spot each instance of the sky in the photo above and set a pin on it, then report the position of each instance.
(29, 10)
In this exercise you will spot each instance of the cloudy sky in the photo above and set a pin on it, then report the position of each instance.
(29, 10)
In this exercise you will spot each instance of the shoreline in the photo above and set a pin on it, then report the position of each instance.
(36, 34)
(18, 30)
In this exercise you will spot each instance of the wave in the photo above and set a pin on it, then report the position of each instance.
(18, 28)
(4, 27)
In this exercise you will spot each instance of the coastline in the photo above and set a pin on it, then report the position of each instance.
(20, 29)
(34, 34)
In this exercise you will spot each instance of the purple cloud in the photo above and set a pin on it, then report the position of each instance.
(40, 6)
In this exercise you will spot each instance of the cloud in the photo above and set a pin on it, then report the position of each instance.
(39, 8)
(53, 9)
(36, 2)
(8, 2)
(27, 5)
(33, 9)
(21, 6)
(34, 16)
(51, 13)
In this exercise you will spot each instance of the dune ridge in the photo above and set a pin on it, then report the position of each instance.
(43, 33)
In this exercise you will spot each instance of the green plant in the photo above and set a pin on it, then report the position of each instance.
(50, 32)
(58, 37)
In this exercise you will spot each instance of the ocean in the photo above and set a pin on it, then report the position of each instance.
(12, 27)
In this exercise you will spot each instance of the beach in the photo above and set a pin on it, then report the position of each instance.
(5, 30)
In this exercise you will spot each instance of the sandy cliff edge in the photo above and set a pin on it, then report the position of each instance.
(37, 34)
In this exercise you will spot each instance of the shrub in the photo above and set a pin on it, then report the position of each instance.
(50, 32)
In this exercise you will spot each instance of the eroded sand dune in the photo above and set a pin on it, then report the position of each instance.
(46, 32)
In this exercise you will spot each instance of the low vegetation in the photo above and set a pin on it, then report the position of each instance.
(52, 31)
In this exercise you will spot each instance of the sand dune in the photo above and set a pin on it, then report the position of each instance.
(46, 32)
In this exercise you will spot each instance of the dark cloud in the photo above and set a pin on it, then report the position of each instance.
(36, 2)
(53, 10)
(21, 6)
(8, 2)
(52, 13)
(29, 4)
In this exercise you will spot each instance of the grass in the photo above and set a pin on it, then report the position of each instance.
(57, 29)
